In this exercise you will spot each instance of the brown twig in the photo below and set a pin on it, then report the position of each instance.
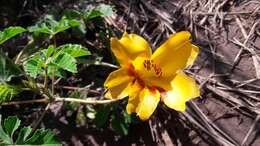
(38, 121)
(43, 100)
(252, 127)
(227, 13)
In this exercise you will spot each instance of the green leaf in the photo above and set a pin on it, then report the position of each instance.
(10, 32)
(24, 133)
(49, 51)
(66, 62)
(11, 124)
(7, 69)
(50, 138)
(4, 138)
(92, 14)
(74, 50)
(120, 125)
(102, 116)
(50, 26)
(34, 65)
(55, 60)
(100, 11)
(127, 117)
(39, 137)
(72, 14)
(64, 24)
(7, 92)
(40, 28)
(106, 10)
(46, 54)
(42, 137)
(54, 70)
(79, 30)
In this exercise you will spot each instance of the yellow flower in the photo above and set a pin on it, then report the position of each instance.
(148, 78)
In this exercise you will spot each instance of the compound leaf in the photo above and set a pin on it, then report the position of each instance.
(74, 50)
(24, 133)
(10, 32)
(100, 11)
(50, 26)
(7, 92)
(7, 69)
(41, 137)
(66, 62)
(11, 124)
(34, 65)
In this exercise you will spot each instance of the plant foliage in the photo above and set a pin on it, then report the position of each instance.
(7, 69)
(7, 92)
(50, 26)
(25, 136)
(55, 60)
(100, 11)
(10, 32)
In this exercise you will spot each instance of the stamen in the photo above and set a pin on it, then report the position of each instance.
(148, 64)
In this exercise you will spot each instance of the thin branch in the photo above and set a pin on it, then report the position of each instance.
(106, 64)
(91, 100)
(226, 13)
(86, 101)
(43, 100)
(80, 89)
(36, 124)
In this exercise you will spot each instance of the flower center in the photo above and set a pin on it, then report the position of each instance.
(143, 70)
(149, 65)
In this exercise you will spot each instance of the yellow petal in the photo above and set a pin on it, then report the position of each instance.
(132, 104)
(133, 99)
(117, 77)
(118, 92)
(162, 82)
(149, 100)
(117, 83)
(184, 88)
(129, 47)
(193, 55)
(174, 53)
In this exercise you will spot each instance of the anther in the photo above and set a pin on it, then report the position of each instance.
(148, 64)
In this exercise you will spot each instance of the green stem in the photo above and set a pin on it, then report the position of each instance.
(53, 72)
(45, 83)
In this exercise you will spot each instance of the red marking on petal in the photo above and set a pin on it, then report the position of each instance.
(134, 73)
